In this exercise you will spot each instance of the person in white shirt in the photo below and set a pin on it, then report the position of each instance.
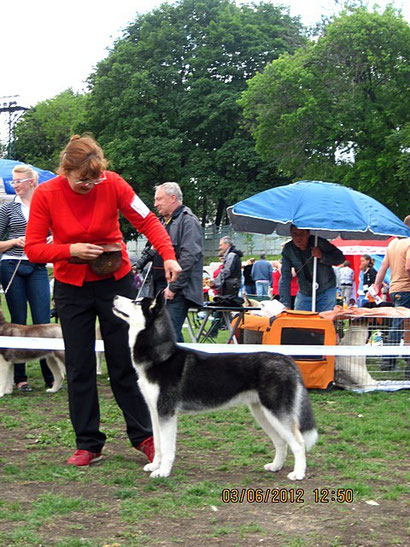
(346, 281)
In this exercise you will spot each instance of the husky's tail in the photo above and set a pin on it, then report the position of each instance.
(305, 419)
(310, 437)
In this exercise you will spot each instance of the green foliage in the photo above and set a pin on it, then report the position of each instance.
(163, 103)
(338, 108)
(45, 129)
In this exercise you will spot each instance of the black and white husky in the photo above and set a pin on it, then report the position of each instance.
(176, 379)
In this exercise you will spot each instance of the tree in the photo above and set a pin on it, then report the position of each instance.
(163, 103)
(44, 130)
(337, 109)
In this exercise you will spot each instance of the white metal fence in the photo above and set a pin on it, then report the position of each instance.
(372, 352)
(362, 367)
(388, 362)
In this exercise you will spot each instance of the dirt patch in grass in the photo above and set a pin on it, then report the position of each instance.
(271, 522)
(248, 524)
(123, 506)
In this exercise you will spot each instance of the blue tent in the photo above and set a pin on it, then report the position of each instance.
(6, 173)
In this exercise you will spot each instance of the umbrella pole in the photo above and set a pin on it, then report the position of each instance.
(314, 278)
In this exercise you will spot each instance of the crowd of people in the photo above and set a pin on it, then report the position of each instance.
(72, 222)
(337, 282)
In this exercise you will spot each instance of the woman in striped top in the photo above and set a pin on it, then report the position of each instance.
(30, 282)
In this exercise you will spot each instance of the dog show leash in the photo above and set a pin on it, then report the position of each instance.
(13, 276)
(166, 299)
(145, 279)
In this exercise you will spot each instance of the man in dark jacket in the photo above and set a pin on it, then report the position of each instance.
(250, 287)
(185, 232)
(228, 281)
(299, 254)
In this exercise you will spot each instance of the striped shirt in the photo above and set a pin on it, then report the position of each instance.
(13, 225)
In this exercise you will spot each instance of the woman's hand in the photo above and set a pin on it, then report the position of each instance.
(19, 241)
(172, 270)
(85, 251)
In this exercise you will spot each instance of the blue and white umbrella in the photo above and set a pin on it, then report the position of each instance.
(6, 173)
(326, 209)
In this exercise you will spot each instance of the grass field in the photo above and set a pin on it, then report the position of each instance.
(354, 493)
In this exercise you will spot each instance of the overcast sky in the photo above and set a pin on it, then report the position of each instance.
(50, 45)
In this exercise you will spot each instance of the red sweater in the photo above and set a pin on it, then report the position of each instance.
(49, 209)
(294, 285)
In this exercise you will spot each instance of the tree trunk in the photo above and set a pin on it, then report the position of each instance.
(220, 212)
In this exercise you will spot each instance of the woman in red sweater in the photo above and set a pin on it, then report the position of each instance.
(80, 207)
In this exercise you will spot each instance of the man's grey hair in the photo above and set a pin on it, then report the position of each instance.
(171, 189)
(228, 240)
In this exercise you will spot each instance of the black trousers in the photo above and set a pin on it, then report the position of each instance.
(78, 308)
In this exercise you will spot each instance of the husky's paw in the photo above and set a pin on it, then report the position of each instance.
(160, 473)
(153, 466)
(273, 467)
(52, 389)
(296, 476)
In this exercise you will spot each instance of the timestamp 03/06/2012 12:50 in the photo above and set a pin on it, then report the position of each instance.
(286, 495)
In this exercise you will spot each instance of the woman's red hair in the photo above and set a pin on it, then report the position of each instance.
(84, 155)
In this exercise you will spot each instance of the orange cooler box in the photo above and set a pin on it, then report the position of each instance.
(296, 328)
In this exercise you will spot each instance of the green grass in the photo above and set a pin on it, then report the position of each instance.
(363, 438)
(363, 445)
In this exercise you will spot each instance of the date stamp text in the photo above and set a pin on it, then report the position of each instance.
(286, 495)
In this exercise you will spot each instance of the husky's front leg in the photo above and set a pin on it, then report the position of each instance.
(157, 440)
(167, 434)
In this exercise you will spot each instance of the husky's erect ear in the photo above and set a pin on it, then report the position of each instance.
(159, 301)
(146, 305)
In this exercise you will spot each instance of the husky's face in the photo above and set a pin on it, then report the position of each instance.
(151, 335)
(130, 311)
